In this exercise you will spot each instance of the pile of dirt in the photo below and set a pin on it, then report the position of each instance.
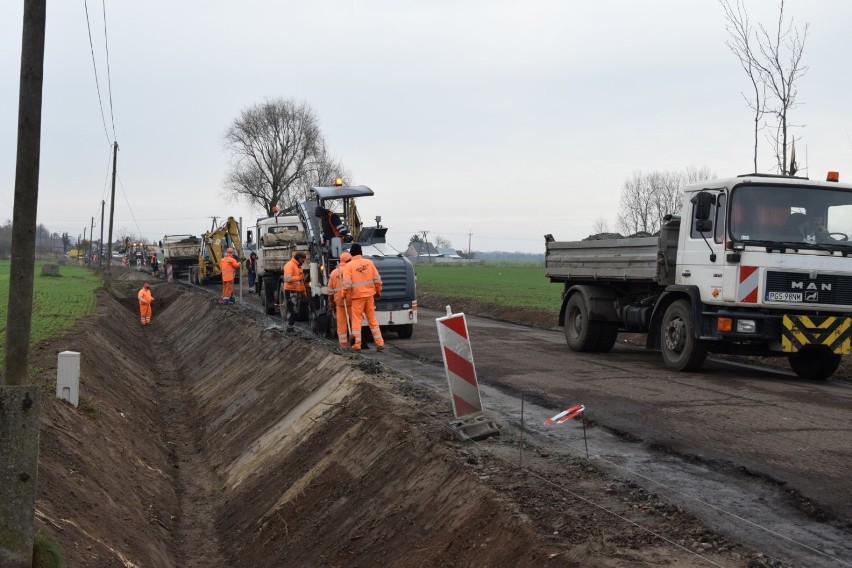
(207, 439)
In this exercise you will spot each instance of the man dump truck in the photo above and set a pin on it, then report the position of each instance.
(753, 265)
(278, 237)
(180, 252)
(214, 243)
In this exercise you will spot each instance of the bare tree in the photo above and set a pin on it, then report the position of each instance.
(648, 197)
(275, 146)
(740, 43)
(442, 242)
(775, 65)
(600, 225)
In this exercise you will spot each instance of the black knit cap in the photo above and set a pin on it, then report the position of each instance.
(355, 249)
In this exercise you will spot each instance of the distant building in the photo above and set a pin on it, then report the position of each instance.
(419, 251)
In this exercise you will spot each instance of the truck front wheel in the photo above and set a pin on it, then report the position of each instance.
(816, 364)
(681, 350)
(268, 291)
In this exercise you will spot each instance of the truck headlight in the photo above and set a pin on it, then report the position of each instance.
(746, 326)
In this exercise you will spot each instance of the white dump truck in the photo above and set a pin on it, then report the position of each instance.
(278, 237)
(180, 252)
(753, 265)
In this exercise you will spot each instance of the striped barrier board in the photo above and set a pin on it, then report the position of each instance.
(458, 362)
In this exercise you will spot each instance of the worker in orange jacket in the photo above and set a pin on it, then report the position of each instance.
(335, 300)
(145, 301)
(229, 266)
(361, 286)
(294, 288)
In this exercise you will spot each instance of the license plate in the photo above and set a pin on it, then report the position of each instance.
(783, 296)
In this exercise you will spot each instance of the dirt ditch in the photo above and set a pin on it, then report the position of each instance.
(209, 440)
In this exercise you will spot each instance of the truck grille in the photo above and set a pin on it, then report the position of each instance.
(397, 277)
(824, 289)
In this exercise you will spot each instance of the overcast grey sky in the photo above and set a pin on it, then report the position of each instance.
(504, 120)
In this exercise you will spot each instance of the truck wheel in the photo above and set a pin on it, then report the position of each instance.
(404, 331)
(681, 350)
(580, 333)
(269, 297)
(816, 364)
(608, 336)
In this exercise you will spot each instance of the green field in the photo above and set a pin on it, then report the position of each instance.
(505, 284)
(58, 302)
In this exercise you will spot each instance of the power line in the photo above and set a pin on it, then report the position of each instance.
(128, 205)
(95, 67)
(109, 81)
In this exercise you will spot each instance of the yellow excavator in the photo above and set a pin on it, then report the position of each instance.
(213, 246)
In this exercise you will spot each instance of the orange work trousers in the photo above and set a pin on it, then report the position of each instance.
(342, 325)
(145, 313)
(364, 307)
(227, 288)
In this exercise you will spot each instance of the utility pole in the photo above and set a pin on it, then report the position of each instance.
(21, 403)
(469, 236)
(426, 242)
(101, 243)
(91, 241)
(111, 214)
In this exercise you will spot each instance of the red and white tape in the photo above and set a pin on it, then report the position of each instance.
(567, 414)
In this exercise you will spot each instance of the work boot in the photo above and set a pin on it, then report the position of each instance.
(380, 348)
(290, 329)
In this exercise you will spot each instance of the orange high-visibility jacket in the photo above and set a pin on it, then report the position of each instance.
(360, 278)
(294, 276)
(335, 283)
(229, 266)
(145, 297)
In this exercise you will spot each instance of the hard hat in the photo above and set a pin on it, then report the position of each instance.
(230, 250)
(345, 257)
(146, 285)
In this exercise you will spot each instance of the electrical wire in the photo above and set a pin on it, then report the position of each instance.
(95, 67)
(138, 230)
(109, 80)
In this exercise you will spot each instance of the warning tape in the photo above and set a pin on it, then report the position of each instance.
(565, 415)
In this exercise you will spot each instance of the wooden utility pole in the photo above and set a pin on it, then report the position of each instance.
(101, 251)
(20, 404)
(111, 213)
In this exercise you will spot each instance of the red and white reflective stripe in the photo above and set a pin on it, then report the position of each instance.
(567, 414)
(749, 281)
(458, 362)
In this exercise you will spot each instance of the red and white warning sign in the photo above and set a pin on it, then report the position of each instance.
(458, 362)
(567, 414)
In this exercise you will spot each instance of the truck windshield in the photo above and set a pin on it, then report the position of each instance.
(791, 214)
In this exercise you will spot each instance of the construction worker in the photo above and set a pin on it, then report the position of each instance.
(361, 286)
(294, 288)
(251, 270)
(155, 266)
(145, 301)
(335, 300)
(331, 225)
(229, 266)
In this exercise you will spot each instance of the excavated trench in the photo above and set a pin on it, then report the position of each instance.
(206, 440)
(209, 439)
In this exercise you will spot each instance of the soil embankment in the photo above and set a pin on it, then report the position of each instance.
(209, 440)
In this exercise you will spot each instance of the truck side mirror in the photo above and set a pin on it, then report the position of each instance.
(704, 202)
(249, 237)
